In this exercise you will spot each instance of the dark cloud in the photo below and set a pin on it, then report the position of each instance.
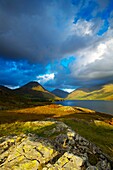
(36, 33)
(32, 29)
(18, 73)
(40, 30)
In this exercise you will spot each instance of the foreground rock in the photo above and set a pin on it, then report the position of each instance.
(62, 149)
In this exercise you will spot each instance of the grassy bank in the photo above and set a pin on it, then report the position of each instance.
(89, 124)
(101, 135)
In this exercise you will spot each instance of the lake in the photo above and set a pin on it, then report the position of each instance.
(97, 105)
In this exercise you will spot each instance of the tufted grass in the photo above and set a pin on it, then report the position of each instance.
(82, 121)
(101, 135)
(18, 128)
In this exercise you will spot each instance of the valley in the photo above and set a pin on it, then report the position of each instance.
(29, 113)
(104, 93)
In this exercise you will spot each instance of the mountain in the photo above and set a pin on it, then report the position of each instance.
(104, 93)
(60, 93)
(31, 93)
(8, 98)
(35, 91)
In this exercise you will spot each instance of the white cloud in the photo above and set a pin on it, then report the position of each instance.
(46, 77)
(69, 90)
(96, 61)
(11, 87)
(82, 28)
(81, 35)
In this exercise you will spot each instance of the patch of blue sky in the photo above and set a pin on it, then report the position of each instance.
(48, 69)
(105, 14)
(66, 61)
(75, 2)
(104, 28)
(10, 70)
(86, 12)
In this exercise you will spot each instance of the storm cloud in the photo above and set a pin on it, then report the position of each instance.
(33, 29)
(69, 39)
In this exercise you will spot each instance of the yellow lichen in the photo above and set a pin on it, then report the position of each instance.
(31, 165)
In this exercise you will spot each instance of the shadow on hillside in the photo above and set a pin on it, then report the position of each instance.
(11, 118)
(87, 116)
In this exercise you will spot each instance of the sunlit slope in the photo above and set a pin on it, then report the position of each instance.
(76, 94)
(35, 91)
(105, 93)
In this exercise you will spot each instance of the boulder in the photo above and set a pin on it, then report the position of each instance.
(61, 149)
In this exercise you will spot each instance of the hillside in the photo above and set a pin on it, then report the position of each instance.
(60, 93)
(28, 95)
(50, 145)
(105, 93)
(35, 91)
(8, 98)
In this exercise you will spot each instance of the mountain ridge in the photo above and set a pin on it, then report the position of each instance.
(34, 90)
(26, 95)
(104, 93)
(60, 93)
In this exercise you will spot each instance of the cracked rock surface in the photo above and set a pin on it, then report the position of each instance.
(64, 150)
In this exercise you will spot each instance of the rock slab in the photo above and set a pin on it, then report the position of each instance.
(65, 150)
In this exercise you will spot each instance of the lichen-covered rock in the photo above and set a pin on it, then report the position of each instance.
(72, 161)
(30, 165)
(104, 164)
(92, 168)
(66, 161)
(62, 149)
(30, 152)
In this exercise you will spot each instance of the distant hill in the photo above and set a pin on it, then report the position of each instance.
(60, 93)
(8, 98)
(90, 89)
(6, 94)
(30, 94)
(34, 91)
(104, 93)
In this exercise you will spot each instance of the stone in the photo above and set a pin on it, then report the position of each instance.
(28, 153)
(104, 165)
(65, 150)
(92, 168)
(67, 162)
(70, 134)
(31, 165)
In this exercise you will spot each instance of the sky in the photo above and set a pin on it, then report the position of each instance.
(64, 44)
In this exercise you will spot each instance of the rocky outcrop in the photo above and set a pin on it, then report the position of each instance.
(63, 149)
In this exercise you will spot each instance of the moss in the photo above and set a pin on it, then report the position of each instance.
(28, 127)
(93, 159)
(28, 166)
(100, 135)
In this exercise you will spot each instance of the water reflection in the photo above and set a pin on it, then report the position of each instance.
(97, 105)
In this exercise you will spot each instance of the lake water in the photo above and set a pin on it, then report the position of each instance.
(97, 105)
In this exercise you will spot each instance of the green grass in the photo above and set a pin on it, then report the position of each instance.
(18, 128)
(100, 135)
(12, 122)
(105, 93)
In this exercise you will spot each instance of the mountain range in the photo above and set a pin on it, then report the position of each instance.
(60, 93)
(33, 92)
(104, 93)
(26, 95)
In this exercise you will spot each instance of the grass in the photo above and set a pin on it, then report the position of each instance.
(80, 120)
(105, 93)
(18, 128)
(102, 136)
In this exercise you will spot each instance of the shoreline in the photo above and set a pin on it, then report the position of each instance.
(97, 105)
